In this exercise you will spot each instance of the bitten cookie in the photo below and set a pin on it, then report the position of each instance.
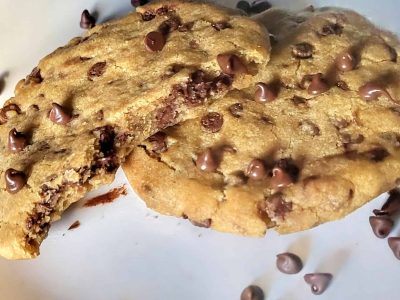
(315, 139)
(83, 109)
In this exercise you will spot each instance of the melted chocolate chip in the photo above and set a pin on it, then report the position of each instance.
(34, 76)
(280, 178)
(394, 244)
(8, 108)
(381, 225)
(231, 64)
(166, 116)
(317, 85)
(319, 282)
(97, 70)
(289, 263)
(276, 207)
(331, 28)
(207, 161)
(154, 41)
(148, 16)
(256, 170)
(162, 11)
(302, 50)
(158, 142)
(345, 62)
(264, 93)
(391, 206)
(59, 115)
(220, 26)
(372, 91)
(252, 292)
(15, 180)
(17, 141)
(204, 223)
(87, 20)
(136, 3)
(377, 154)
(212, 122)
(236, 110)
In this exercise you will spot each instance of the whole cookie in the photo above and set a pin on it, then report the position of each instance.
(85, 106)
(314, 139)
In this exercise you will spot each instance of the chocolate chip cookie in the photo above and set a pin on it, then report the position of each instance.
(314, 139)
(85, 106)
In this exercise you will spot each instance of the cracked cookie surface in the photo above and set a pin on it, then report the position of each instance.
(317, 138)
(84, 107)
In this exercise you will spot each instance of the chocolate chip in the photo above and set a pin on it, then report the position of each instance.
(302, 50)
(106, 136)
(259, 6)
(97, 70)
(245, 6)
(231, 64)
(372, 91)
(289, 263)
(394, 244)
(236, 110)
(87, 20)
(162, 11)
(15, 180)
(309, 128)
(256, 170)
(342, 85)
(212, 122)
(17, 141)
(8, 108)
(391, 206)
(377, 154)
(319, 282)
(317, 85)
(276, 207)
(218, 26)
(59, 115)
(169, 25)
(34, 76)
(300, 101)
(284, 173)
(154, 41)
(345, 62)
(204, 223)
(136, 3)
(264, 93)
(207, 161)
(252, 292)
(166, 116)
(331, 28)
(158, 142)
(148, 16)
(381, 225)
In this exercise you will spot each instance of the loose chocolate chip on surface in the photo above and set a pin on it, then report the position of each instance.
(15, 180)
(302, 50)
(97, 70)
(252, 292)
(17, 141)
(231, 64)
(264, 93)
(59, 115)
(288, 263)
(154, 41)
(345, 62)
(319, 282)
(317, 85)
(372, 91)
(394, 244)
(87, 20)
(236, 110)
(212, 122)
(136, 3)
(391, 206)
(158, 142)
(331, 28)
(207, 161)
(256, 170)
(381, 225)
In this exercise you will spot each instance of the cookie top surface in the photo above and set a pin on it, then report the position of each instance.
(316, 139)
(87, 104)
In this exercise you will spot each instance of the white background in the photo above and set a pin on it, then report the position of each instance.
(125, 251)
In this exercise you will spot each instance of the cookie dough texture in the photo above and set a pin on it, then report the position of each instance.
(117, 92)
(346, 149)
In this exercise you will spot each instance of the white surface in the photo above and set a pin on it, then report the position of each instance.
(125, 251)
